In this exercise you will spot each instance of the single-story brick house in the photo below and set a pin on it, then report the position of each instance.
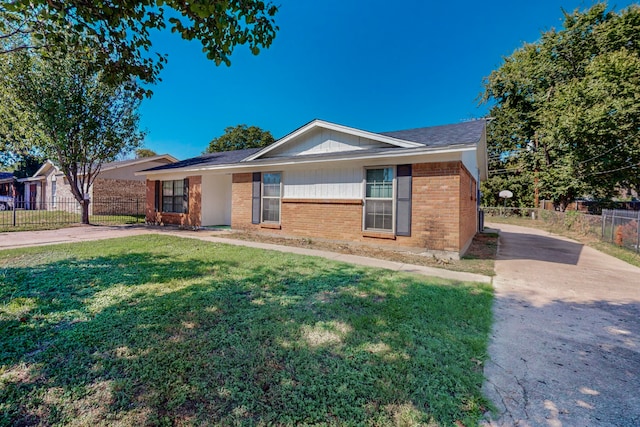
(415, 188)
(49, 189)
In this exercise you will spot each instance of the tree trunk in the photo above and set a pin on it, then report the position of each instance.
(85, 211)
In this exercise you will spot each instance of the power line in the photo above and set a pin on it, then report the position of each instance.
(613, 170)
(600, 155)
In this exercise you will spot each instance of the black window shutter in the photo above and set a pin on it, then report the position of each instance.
(403, 202)
(185, 196)
(156, 197)
(255, 198)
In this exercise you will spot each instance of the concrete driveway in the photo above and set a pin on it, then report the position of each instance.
(565, 348)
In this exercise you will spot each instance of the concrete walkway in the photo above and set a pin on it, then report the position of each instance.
(565, 348)
(89, 233)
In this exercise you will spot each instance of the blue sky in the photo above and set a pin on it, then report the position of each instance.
(364, 64)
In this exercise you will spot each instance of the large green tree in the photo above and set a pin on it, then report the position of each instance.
(567, 110)
(240, 137)
(119, 31)
(60, 107)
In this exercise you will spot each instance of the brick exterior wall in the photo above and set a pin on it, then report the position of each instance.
(121, 196)
(468, 208)
(443, 212)
(190, 219)
(241, 186)
(120, 188)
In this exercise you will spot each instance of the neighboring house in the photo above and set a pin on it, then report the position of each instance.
(7, 190)
(7, 184)
(49, 189)
(416, 188)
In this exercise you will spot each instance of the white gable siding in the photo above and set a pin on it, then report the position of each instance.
(322, 141)
(334, 183)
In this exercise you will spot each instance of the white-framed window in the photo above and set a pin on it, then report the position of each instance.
(271, 195)
(378, 199)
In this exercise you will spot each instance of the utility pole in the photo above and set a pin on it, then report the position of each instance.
(536, 200)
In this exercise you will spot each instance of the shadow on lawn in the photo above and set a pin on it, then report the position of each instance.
(296, 342)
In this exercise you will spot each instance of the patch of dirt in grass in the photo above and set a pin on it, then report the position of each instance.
(479, 258)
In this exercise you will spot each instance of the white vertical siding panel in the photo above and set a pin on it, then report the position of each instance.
(334, 183)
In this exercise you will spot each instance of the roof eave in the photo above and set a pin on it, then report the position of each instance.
(359, 155)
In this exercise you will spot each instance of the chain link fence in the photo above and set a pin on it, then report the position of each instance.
(20, 214)
(579, 222)
(621, 228)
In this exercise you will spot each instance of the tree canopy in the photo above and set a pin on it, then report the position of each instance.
(567, 111)
(145, 152)
(119, 31)
(62, 109)
(240, 137)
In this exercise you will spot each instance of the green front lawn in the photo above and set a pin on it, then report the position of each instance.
(159, 330)
(26, 220)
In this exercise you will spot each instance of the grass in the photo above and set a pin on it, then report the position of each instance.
(479, 259)
(583, 235)
(159, 330)
(28, 220)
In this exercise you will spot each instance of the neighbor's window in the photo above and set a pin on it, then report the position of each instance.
(271, 189)
(378, 203)
(173, 199)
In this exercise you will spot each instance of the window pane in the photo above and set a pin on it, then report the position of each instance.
(178, 187)
(167, 188)
(379, 183)
(379, 215)
(271, 178)
(271, 209)
(271, 190)
(271, 184)
(178, 206)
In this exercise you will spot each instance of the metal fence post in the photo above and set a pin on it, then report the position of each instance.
(638, 231)
(14, 211)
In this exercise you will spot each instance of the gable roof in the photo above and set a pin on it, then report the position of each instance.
(315, 124)
(219, 158)
(106, 166)
(439, 136)
(131, 162)
(459, 137)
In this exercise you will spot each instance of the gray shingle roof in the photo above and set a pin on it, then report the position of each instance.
(221, 158)
(435, 136)
(440, 136)
(6, 175)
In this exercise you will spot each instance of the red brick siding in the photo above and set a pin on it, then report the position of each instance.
(437, 208)
(110, 196)
(190, 219)
(468, 208)
(118, 188)
(337, 219)
(241, 192)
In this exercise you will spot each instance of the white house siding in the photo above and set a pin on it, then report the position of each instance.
(321, 141)
(216, 200)
(468, 159)
(331, 183)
